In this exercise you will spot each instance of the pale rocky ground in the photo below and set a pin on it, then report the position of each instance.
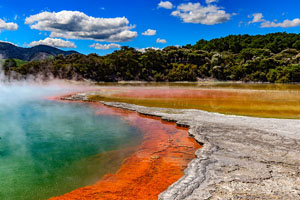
(242, 157)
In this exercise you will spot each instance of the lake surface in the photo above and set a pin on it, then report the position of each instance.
(258, 100)
(49, 148)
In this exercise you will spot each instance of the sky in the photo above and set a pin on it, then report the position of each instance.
(102, 26)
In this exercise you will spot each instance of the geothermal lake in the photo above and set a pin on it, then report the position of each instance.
(49, 148)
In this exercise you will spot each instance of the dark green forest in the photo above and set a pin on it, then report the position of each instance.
(262, 58)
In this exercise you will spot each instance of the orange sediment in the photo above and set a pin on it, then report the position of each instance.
(158, 162)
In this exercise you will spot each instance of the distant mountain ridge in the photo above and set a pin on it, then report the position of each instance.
(39, 52)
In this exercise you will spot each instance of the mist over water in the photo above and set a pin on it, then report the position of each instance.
(15, 91)
(48, 148)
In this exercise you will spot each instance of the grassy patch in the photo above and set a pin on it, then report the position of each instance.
(20, 62)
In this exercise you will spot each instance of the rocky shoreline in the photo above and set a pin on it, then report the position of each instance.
(241, 158)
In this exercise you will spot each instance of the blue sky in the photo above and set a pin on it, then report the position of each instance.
(106, 24)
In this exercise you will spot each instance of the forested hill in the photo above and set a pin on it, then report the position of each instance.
(262, 58)
(39, 52)
(275, 42)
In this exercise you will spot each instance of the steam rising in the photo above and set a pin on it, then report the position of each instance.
(14, 91)
(46, 147)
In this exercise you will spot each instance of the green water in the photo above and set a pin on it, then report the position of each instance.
(49, 148)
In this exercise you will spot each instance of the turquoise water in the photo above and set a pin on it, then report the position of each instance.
(48, 148)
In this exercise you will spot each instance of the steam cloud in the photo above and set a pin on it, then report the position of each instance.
(13, 92)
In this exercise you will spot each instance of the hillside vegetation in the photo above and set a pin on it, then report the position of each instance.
(262, 58)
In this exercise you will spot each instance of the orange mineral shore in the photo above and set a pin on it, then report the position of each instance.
(158, 162)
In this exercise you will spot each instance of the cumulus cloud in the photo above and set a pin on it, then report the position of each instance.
(54, 42)
(257, 17)
(285, 24)
(77, 25)
(211, 1)
(165, 4)
(143, 50)
(8, 26)
(198, 14)
(163, 41)
(105, 46)
(149, 32)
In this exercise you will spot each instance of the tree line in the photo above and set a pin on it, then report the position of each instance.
(262, 58)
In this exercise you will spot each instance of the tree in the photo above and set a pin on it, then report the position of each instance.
(9, 63)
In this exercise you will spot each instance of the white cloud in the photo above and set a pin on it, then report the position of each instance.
(105, 46)
(54, 42)
(257, 17)
(77, 25)
(211, 1)
(165, 4)
(198, 14)
(149, 32)
(8, 26)
(143, 50)
(285, 24)
(163, 41)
